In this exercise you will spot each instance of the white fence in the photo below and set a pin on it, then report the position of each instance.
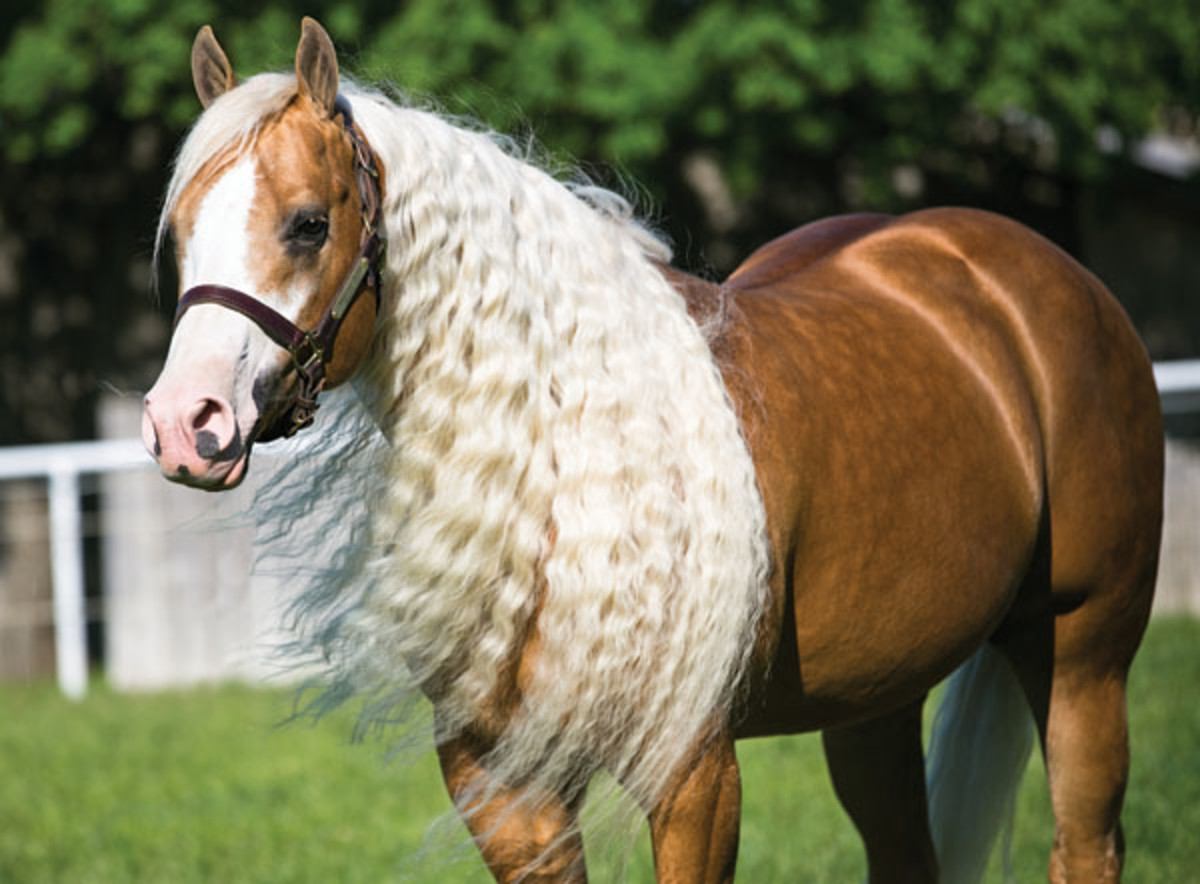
(179, 602)
(62, 466)
(1179, 386)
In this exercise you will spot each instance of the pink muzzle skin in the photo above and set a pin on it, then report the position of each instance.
(194, 439)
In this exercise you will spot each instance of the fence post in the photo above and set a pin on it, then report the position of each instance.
(66, 557)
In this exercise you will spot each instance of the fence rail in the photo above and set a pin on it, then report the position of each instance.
(62, 465)
(1179, 385)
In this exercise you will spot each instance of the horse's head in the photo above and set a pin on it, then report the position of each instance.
(276, 236)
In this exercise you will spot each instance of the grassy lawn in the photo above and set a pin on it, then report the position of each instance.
(204, 786)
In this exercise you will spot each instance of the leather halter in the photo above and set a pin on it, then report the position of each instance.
(312, 350)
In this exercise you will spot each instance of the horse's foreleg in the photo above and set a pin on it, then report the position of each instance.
(520, 839)
(878, 773)
(694, 828)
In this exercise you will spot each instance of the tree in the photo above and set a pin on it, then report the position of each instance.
(742, 119)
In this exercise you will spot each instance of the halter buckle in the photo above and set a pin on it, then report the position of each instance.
(304, 362)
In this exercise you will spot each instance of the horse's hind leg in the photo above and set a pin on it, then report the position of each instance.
(1073, 667)
(878, 773)
(1087, 761)
(518, 842)
(1078, 701)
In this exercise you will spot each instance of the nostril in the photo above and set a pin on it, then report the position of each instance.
(208, 408)
(212, 427)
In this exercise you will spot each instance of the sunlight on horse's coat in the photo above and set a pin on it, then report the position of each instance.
(623, 517)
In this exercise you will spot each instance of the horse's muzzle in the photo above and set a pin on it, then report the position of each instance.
(195, 442)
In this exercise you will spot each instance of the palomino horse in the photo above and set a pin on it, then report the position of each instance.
(629, 516)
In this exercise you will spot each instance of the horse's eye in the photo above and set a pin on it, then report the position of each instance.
(308, 230)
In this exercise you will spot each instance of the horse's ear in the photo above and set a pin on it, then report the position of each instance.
(316, 65)
(211, 71)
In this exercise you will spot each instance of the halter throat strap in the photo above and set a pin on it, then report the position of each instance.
(312, 351)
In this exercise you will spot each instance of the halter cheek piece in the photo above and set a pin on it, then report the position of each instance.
(312, 351)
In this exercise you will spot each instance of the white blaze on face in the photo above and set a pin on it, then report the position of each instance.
(216, 351)
(213, 344)
(203, 402)
(218, 250)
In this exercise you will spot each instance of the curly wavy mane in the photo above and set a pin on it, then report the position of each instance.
(563, 467)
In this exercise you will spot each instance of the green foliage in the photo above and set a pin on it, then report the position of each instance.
(57, 63)
(803, 108)
(202, 786)
(623, 81)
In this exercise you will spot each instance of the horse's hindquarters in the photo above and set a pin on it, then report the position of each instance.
(931, 403)
(902, 510)
(958, 439)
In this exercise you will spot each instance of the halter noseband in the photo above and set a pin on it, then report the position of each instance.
(311, 351)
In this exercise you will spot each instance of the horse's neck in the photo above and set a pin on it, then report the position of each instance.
(502, 246)
(566, 473)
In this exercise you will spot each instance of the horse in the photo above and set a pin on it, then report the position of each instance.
(627, 517)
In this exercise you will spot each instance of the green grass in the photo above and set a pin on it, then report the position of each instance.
(203, 786)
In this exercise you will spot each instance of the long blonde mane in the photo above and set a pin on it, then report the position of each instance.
(564, 469)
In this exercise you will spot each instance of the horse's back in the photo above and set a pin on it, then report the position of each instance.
(929, 399)
(794, 252)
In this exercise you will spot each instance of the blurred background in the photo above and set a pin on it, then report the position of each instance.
(739, 120)
(732, 122)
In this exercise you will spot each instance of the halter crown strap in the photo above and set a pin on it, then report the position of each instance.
(311, 351)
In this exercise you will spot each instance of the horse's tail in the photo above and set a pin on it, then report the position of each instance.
(982, 737)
